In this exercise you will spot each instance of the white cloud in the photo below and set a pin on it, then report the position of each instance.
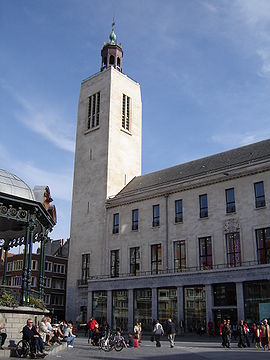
(230, 140)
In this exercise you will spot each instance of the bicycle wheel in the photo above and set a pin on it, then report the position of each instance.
(22, 349)
(118, 345)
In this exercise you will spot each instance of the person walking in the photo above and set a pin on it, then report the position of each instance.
(265, 335)
(158, 332)
(228, 333)
(246, 336)
(222, 332)
(171, 332)
(241, 334)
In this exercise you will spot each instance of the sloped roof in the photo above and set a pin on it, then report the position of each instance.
(210, 164)
(13, 185)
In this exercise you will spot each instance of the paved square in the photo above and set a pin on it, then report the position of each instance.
(185, 349)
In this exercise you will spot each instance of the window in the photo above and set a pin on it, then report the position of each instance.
(59, 268)
(179, 256)
(116, 223)
(47, 282)
(47, 299)
(259, 194)
(230, 201)
(115, 263)
(57, 300)
(135, 219)
(155, 215)
(135, 260)
(85, 267)
(48, 266)
(126, 102)
(18, 265)
(203, 206)
(233, 249)
(93, 111)
(58, 284)
(156, 263)
(263, 245)
(34, 264)
(205, 245)
(178, 211)
(16, 281)
(9, 266)
(33, 281)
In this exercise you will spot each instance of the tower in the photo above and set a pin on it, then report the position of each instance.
(107, 157)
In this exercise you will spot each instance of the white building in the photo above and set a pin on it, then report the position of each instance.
(191, 241)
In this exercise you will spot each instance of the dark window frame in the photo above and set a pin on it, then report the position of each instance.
(116, 218)
(203, 208)
(115, 263)
(230, 201)
(206, 260)
(263, 252)
(259, 198)
(178, 205)
(234, 256)
(156, 260)
(135, 219)
(156, 217)
(133, 261)
(85, 267)
(179, 263)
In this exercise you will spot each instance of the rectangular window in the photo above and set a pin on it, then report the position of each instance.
(179, 256)
(47, 299)
(115, 263)
(203, 206)
(156, 261)
(135, 219)
(57, 300)
(178, 211)
(47, 282)
(259, 194)
(135, 259)
(34, 264)
(126, 102)
(18, 265)
(116, 223)
(233, 249)
(33, 281)
(93, 111)
(59, 268)
(155, 215)
(9, 266)
(58, 284)
(85, 267)
(230, 201)
(263, 245)
(48, 266)
(205, 246)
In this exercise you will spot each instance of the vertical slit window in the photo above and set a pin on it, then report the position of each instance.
(98, 108)
(233, 249)
(115, 263)
(89, 112)
(126, 109)
(179, 256)
(263, 245)
(156, 261)
(85, 267)
(135, 260)
(93, 111)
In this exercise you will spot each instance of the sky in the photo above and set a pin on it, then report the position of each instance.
(203, 67)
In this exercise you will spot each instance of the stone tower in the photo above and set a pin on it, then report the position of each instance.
(107, 157)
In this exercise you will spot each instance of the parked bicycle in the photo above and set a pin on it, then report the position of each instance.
(112, 341)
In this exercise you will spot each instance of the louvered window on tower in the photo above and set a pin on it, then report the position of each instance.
(126, 107)
(93, 111)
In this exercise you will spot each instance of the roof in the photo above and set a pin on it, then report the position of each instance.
(13, 185)
(205, 166)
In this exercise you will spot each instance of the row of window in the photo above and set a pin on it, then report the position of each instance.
(94, 111)
(203, 207)
(53, 299)
(57, 284)
(233, 247)
(18, 265)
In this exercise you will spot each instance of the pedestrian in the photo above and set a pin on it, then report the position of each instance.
(228, 333)
(222, 332)
(258, 337)
(171, 332)
(241, 334)
(91, 326)
(265, 335)
(3, 336)
(246, 336)
(130, 341)
(138, 330)
(158, 332)
(68, 335)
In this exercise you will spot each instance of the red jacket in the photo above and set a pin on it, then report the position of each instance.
(91, 324)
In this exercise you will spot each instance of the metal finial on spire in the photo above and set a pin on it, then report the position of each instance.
(112, 35)
(113, 24)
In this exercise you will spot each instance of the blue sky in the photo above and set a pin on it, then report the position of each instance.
(203, 66)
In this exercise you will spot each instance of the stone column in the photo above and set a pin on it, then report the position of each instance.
(240, 301)
(180, 309)
(109, 307)
(131, 310)
(209, 300)
(154, 304)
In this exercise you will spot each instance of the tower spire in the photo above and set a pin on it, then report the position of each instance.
(112, 52)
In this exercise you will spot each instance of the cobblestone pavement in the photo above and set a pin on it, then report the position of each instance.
(185, 349)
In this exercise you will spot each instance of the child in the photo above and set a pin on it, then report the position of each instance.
(136, 341)
(130, 341)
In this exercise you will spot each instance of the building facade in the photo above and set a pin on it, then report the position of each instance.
(191, 242)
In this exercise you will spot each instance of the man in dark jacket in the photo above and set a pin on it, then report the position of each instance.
(241, 334)
(171, 332)
(31, 335)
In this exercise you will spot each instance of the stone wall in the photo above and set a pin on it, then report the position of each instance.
(14, 319)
